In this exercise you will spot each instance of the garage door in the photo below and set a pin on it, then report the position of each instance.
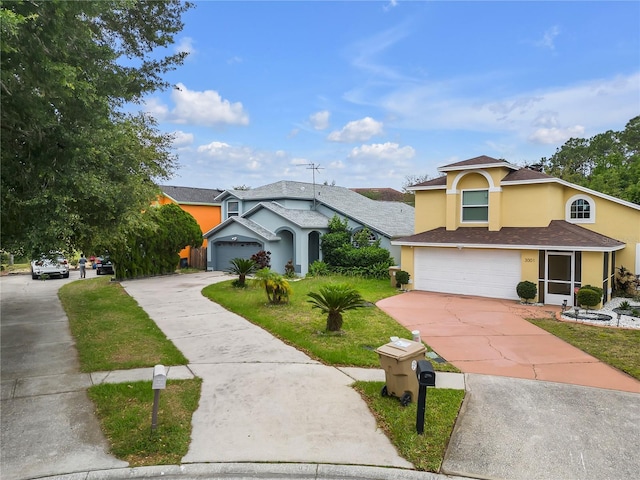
(486, 273)
(226, 251)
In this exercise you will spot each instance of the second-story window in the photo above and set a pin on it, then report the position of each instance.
(475, 206)
(233, 209)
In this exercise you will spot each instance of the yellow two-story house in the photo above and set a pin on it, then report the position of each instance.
(486, 225)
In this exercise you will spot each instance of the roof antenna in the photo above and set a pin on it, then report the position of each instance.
(313, 167)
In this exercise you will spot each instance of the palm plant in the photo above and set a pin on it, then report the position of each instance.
(276, 286)
(334, 299)
(242, 267)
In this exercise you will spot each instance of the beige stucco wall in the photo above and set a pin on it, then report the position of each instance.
(430, 210)
(529, 266)
(406, 264)
(531, 205)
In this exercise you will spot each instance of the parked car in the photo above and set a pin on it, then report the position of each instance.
(104, 266)
(53, 264)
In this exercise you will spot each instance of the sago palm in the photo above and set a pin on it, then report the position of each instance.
(275, 285)
(334, 299)
(242, 267)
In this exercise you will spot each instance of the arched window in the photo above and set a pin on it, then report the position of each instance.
(580, 209)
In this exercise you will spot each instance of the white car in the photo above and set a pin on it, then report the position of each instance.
(54, 264)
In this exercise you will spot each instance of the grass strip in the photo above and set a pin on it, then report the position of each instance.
(125, 410)
(297, 324)
(111, 331)
(617, 347)
(425, 451)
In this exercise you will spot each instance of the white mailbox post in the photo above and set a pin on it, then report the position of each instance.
(159, 383)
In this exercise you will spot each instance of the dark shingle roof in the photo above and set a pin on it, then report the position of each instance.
(525, 174)
(559, 233)
(434, 182)
(385, 194)
(476, 161)
(190, 194)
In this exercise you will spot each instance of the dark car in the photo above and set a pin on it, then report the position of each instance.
(104, 265)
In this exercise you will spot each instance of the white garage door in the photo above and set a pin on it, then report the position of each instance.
(486, 273)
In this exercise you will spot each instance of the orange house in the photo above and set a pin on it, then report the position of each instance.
(199, 202)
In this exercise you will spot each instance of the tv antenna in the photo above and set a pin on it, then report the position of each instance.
(314, 168)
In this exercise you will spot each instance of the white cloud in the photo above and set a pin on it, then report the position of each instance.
(357, 131)
(182, 139)
(552, 136)
(185, 44)
(387, 152)
(548, 38)
(204, 108)
(320, 120)
(596, 105)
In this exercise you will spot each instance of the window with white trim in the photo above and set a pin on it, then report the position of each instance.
(233, 209)
(580, 209)
(475, 205)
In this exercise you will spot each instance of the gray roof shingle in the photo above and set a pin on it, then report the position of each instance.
(390, 218)
(190, 194)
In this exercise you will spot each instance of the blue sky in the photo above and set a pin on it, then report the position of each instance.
(372, 92)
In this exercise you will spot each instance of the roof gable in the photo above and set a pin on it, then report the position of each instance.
(482, 161)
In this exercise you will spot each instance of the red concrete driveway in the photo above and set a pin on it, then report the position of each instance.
(492, 337)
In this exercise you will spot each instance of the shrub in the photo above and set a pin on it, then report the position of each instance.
(527, 290)
(624, 305)
(402, 278)
(275, 285)
(241, 267)
(318, 269)
(262, 259)
(334, 300)
(588, 297)
(290, 270)
(625, 282)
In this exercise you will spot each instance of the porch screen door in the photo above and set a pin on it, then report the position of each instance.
(559, 278)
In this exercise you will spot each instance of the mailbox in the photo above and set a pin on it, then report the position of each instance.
(426, 375)
(159, 378)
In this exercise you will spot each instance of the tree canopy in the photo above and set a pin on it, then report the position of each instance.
(608, 162)
(74, 164)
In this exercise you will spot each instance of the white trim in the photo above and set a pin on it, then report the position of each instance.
(426, 187)
(487, 177)
(592, 209)
(462, 205)
(513, 247)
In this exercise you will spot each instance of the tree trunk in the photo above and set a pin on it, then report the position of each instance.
(334, 322)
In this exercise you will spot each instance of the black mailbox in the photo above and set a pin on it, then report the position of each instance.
(425, 373)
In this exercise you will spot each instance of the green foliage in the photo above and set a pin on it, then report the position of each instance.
(318, 269)
(348, 259)
(527, 290)
(275, 285)
(588, 297)
(334, 300)
(242, 267)
(153, 247)
(402, 277)
(73, 165)
(608, 162)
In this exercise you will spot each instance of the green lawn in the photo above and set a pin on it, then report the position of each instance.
(299, 325)
(111, 331)
(617, 347)
(124, 411)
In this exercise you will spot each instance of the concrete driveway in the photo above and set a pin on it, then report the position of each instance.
(491, 336)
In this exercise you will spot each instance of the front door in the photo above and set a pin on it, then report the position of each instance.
(560, 278)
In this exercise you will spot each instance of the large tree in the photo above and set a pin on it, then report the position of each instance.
(608, 162)
(74, 165)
